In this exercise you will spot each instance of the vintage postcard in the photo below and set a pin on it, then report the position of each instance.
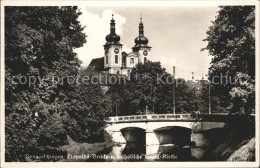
(129, 83)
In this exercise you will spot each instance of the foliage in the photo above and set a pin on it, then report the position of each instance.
(150, 88)
(203, 101)
(88, 109)
(186, 97)
(42, 113)
(243, 95)
(75, 148)
(231, 42)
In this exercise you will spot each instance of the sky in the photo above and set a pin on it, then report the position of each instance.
(175, 34)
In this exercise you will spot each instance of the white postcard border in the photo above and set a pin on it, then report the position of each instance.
(128, 164)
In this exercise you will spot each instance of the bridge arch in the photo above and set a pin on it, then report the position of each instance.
(134, 135)
(177, 135)
(171, 127)
(156, 125)
(120, 126)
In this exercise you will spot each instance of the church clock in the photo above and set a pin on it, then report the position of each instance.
(116, 50)
(145, 53)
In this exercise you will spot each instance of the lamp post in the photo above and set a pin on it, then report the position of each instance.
(153, 99)
(209, 99)
(116, 110)
(209, 96)
(173, 91)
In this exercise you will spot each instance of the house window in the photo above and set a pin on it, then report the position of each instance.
(145, 59)
(128, 72)
(117, 72)
(132, 61)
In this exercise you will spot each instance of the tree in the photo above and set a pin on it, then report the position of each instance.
(231, 42)
(151, 88)
(39, 43)
(145, 91)
(88, 109)
(203, 100)
(186, 97)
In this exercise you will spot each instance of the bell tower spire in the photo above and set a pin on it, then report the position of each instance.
(141, 48)
(112, 38)
(113, 50)
(112, 25)
(141, 26)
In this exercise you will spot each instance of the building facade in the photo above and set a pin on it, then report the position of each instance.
(116, 61)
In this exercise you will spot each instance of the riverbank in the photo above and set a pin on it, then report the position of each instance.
(77, 152)
(235, 149)
(245, 153)
(238, 144)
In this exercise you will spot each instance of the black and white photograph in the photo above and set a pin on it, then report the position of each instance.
(130, 83)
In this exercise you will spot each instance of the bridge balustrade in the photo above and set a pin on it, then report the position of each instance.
(150, 117)
(198, 117)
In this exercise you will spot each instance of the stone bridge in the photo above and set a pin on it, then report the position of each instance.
(154, 129)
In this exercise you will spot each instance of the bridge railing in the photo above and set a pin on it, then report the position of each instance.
(174, 117)
(150, 117)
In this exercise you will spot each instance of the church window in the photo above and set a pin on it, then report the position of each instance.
(132, 61)
(116, 59)
(145, 59)
(106, 59)
(128, 72)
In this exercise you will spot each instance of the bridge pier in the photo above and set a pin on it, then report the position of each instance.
(151, 138)
(200, 139)
(118, 137)
(152, 150)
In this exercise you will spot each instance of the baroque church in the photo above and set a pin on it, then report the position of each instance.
(116, 61)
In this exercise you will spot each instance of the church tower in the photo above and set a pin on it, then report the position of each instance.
(141, 48)
(113, 51)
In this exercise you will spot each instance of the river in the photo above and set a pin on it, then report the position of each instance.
(168, 152)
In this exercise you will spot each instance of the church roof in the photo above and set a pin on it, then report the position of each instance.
(138, 46)
(141, 39)
(132, 54)
(96, 64)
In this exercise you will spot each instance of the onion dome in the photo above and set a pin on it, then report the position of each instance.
(141, 39)
(112, 38)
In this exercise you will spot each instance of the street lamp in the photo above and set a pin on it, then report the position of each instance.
(209, 99)
(153, 99)
(173, 91)
(116, 110)
(209, 96)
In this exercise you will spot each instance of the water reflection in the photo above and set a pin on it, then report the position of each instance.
(116, 150)
(169, 152)
(152, 149)
(199, 153)
(179, 152)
